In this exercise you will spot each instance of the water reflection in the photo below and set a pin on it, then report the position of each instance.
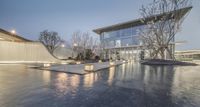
(186, 85)
(75, 80)
(111, 74)
(66, 84)
(130, 84)
(172, 84)
(61, 84)
(46, 76)
(89, 79)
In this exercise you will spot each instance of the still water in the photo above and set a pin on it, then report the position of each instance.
(127, 85)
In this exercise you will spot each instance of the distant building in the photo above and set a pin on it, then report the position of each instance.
(121, 41)
(188, 55)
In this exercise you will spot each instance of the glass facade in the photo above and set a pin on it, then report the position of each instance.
(124, 43)
(121, 37)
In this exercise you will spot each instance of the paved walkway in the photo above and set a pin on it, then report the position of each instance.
(79, 68)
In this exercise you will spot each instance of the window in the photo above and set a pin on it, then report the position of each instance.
(126, 42)
(135, 40)
(118, 43)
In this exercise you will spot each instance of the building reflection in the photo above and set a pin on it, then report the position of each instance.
(111, 75)
(67, 84)
(151, 80)
(158, 78)
(167, 83)
(89, 79)
(186, 85)
(62, 76)
(74, 81)
(123, 69)
(61, 84)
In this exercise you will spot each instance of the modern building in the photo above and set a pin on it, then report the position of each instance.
(121, 41)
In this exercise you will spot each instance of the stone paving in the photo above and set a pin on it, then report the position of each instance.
(79, 68)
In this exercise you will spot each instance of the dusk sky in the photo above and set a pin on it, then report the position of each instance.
(30, 17)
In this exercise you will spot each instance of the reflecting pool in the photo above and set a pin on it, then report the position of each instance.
(127, 85)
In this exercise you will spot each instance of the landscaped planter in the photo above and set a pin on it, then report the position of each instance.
(89, 67)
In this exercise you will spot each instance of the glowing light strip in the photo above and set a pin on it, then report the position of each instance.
(51, 62)
(10, 62)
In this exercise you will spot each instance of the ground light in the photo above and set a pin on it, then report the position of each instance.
(75, 44)
(112, 63)
(89, 67)
(129, 61)
(78, 62)
(62, 45)
(63, 63)
(47, 65)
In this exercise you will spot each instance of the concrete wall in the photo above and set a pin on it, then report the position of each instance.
(13, 52)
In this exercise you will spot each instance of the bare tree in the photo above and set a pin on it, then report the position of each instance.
(82, 42)
(76, 43)
(159, 33)
(50, 39)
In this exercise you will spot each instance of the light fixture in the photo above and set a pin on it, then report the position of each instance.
(75, 44)
(100, 61)
(63, 63)
(62, 45)
(13, 31)
(78, 62)
(89, 67)
(47, 65)
(112, 63)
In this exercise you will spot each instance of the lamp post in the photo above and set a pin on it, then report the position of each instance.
(75, 44)
(74, 47)
(62, 45)
(13, 31)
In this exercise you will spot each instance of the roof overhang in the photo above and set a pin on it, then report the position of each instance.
(138, 22)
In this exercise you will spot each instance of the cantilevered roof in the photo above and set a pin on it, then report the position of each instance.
(138, 22)
(8, 36)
